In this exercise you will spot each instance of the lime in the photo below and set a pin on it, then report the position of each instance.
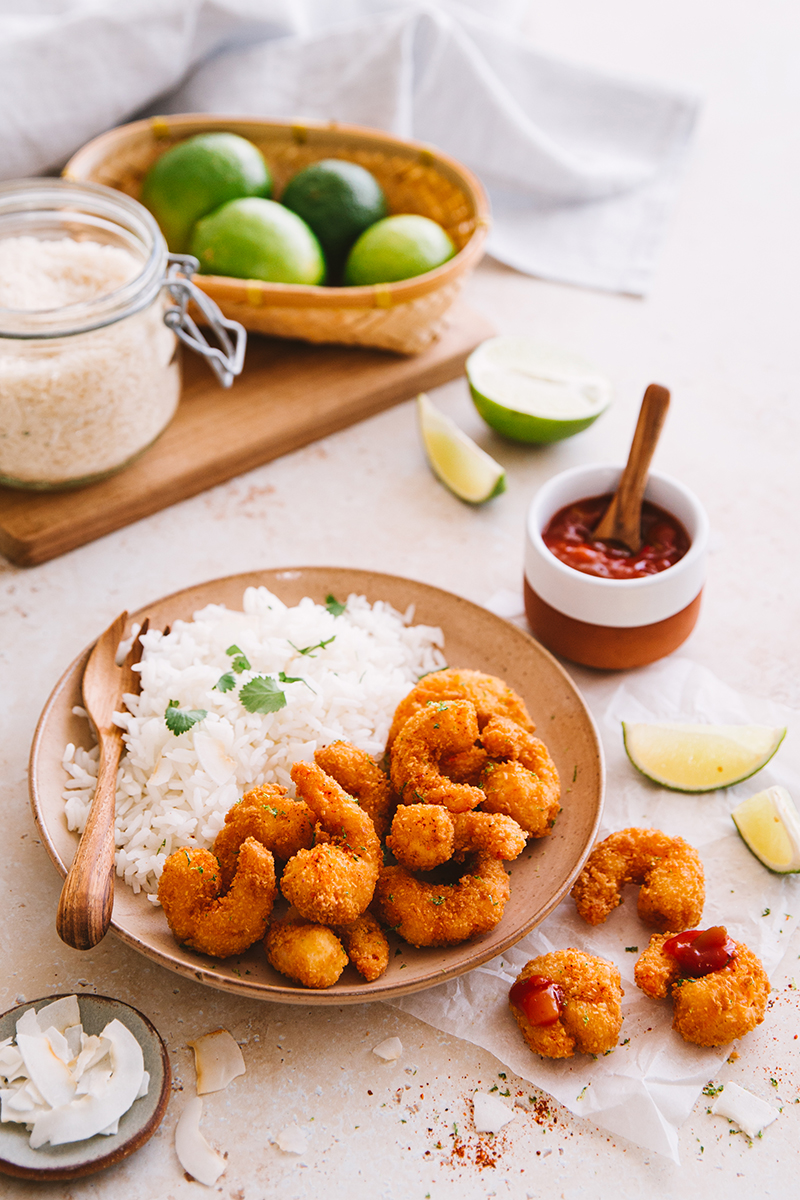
(769, 825)
(700, 758)
(338, 200)
(532, 392)
(469, 472)
(197, 176)
(257, 239)
(397, 248)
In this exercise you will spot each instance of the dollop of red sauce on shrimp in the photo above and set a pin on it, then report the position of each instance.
(569, 536)
(701, 951)
(540, 998)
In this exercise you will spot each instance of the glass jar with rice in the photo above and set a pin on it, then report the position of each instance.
(91, 310)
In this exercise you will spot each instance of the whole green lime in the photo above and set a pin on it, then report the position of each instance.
(397, 248)
(338, 200)
(193, 178)
(257, 239)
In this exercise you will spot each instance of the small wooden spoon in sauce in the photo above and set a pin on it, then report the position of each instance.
(622, 520)
(87, 898)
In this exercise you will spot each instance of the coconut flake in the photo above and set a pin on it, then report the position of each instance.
(292, 1140)
(390, 1050)
(489, 1113)
(61, 1014)
(194, 1153)
(52, 1077)
(217, 1060)
(213, 758)
(747, 1110)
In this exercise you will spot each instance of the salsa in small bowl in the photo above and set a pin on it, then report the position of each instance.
(595, 603)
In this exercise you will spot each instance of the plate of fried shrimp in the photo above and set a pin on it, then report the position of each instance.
(355, 869)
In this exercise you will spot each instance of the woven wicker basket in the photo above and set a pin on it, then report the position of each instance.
(405, 316)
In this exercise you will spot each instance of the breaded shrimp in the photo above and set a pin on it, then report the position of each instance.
(566, 1001)
(429, 914)
(520, 779)
(308, 953)
(333, 882)
(445, 728)
(366, 944)
(491, 697)
(200, 916)
(425, 835)
(668, 868)
(362, 778)
(269, 815)
(711, 1009)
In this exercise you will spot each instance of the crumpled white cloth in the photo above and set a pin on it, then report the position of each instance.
(646, 1088)
(581, 169)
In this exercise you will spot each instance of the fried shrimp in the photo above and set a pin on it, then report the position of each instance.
(668, 868)
(429, 914)
(426, 835)
(566, 1001)
(441, 729)
(711, 1009)
(520, 779)
(269, 815)
(333, 882)
(362, 778)
(200, 916)
(366, 944)
(310, 954)
(491, 697)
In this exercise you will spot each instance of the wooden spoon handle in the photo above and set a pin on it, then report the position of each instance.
(87, 897)
(622, 519)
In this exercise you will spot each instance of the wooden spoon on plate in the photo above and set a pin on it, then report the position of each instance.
(622, 520)
(87, 898)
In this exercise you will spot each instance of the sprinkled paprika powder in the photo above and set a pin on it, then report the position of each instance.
(569, 537)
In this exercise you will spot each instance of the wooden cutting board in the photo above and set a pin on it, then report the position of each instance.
(289, 394)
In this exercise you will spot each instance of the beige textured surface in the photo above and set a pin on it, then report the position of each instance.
(720, 331)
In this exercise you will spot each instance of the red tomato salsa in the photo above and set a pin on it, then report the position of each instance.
(569, 536)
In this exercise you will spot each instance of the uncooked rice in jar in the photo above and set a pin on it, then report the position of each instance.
(174, 791)
(82, 405)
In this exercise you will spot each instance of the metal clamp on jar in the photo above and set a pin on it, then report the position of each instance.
(91, 310)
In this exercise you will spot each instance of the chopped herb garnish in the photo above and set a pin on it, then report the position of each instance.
(317, 646)
(631, 949)
(180, 720)
(284, 678)
(225, 683)
(333, 606)
(712, 1089)
(766, 912)
(436, 899)
(575, 773)
(262, 695)
(240, 661)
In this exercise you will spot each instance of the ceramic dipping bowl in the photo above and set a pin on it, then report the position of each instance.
(612, 623)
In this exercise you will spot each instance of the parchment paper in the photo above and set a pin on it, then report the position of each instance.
(648, 1085)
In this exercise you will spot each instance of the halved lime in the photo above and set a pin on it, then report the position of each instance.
(197, 176)
(699, 758)
(533, 392)
(769, 825)
(469, 472)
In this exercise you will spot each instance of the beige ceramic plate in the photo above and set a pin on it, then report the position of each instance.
(474, 638)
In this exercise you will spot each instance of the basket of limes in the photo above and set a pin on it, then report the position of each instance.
(318, 231)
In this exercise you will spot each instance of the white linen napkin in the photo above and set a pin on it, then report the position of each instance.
(581, 169)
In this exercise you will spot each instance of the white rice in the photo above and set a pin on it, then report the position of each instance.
(174, 791)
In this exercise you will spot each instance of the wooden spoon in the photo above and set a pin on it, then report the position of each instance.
(622, 520)
(87, 898)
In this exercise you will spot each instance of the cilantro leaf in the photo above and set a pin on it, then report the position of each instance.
(284, 678)
(262, 695)
(317, 646)
(225, 683)
(240, 661)
(334, 607)
(180, 720)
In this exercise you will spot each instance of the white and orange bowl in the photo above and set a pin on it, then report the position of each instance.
(612, 623)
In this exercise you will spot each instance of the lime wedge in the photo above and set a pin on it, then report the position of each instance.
(700, 758)
(469, 472)
(532, 392)
(769, 825)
